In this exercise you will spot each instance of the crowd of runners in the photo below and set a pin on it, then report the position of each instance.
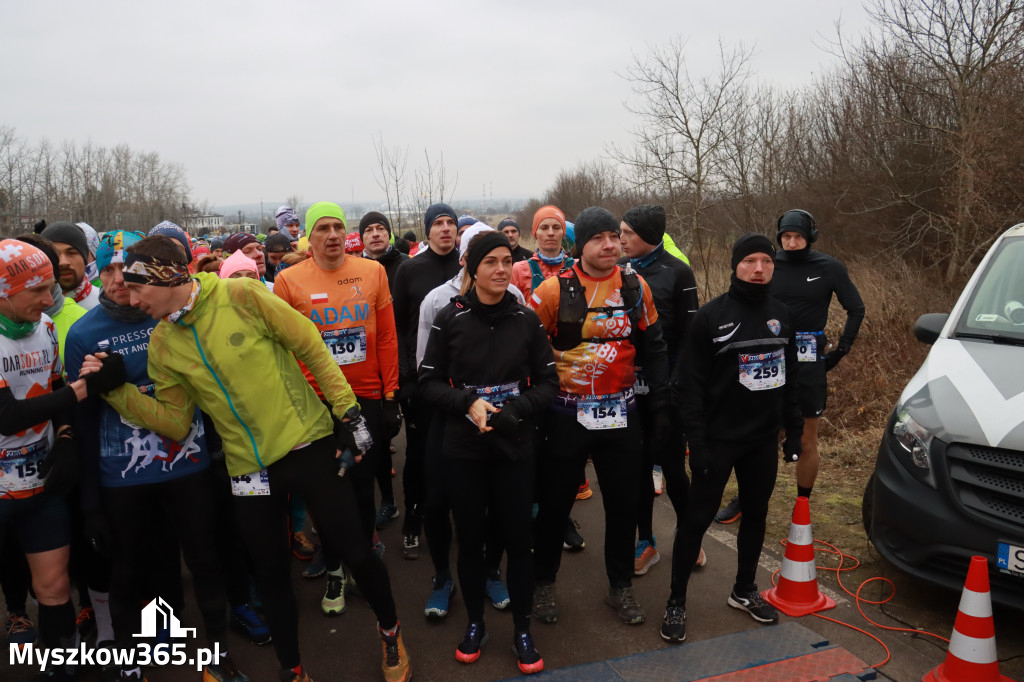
(226, 401)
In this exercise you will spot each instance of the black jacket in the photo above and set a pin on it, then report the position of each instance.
(472, 344)
(674, 289)
(727, 331)
(805, 282)
(415, 278)
(520, 253)
(391, 259)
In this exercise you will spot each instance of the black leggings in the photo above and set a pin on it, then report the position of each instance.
(417, 422)
(616, 455)
(502, 490)
(673, 465)
(311, 472)
(756, 464)
(187, 504)
(364, 473)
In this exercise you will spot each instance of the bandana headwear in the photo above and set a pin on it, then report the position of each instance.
(22, 266)
(239, 241)
(141, 269)
(169, 229)
(112, 246)
(547, 212)
(286, 215)
(92, 238)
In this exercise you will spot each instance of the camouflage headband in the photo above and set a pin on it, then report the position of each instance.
(141, 269)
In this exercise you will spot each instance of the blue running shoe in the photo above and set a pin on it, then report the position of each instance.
(440, 598)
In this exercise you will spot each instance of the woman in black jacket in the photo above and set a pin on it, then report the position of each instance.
(488, 366)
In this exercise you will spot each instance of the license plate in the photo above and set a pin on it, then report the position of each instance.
(1010, 559)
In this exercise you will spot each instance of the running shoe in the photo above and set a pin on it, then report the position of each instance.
(317, 567)
(673, 625)
(584, 492)
(624, 601)
(378, 546)
(295, 675)
(497, 592)
(134, 675)
(247, 622)
(86, 622)
(19, 628)
(645, 556)
(440, 598)
(396, 664)
(752, 603)
(702, 559)
(224, 671)
(659, 481)
(529, 658)
(333, 602)
(410, 547)
(545, 609)
(302, 548)
(730, 512)
(469, 648)
(571, 538)
(386, 512)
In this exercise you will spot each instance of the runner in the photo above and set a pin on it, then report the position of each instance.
(510, 228)
(431, 267)
(288, 222)
(73, 250)
(674, 290)
(737, 382)
(805, 281)
(598, 315)
(37, 445)
(165, 480)
(275, 248)
(212, 336)
(64, 312)
(488, 366)
(251, 247)
(550, 258)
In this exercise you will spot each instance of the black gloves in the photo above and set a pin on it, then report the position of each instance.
(700, 462)
(97, 530)
(791, 448)
(508, 421)
(832, 358)
(392, 415)
(354, 433)
(60, 468)
(110, 376)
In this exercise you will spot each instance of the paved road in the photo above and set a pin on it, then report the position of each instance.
(346, 647)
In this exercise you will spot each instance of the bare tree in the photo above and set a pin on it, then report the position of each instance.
(390, 176)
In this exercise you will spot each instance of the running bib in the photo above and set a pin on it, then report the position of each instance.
(597, 412)
(807, 346)
(763, 371)
(256, 483)
(19, 467)
(495, 395)
(640, 386)
(347, 346)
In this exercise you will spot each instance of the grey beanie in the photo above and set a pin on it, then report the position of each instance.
(70, 234)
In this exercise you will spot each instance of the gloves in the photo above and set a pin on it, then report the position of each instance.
(508, 421)
(60, 468)
(392, 415)
(700, 462)
(97, 530)
(832, 358)
(109, 377)
(358, 431)
(791, 448)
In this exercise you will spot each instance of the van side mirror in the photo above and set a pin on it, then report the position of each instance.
(929, 326)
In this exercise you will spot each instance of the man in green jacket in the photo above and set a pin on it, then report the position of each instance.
(216, 340)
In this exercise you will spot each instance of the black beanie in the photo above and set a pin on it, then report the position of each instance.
(483, 244)
(592, 221)
(796, 220)
(750, 243)
(648, 221)
(373, 218)
(70, 234)
(435, 211)
(509, 221)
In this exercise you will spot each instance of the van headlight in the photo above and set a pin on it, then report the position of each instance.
(914, 445)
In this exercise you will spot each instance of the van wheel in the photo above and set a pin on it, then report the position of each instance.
(867, 505)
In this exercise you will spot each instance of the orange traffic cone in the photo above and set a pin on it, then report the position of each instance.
(972, 646)
(797, 592)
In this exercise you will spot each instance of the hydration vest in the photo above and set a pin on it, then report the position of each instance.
(573, 309)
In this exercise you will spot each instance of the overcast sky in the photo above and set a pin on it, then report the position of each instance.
(266, 100)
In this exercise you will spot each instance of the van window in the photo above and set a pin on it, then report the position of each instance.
(996, 307)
